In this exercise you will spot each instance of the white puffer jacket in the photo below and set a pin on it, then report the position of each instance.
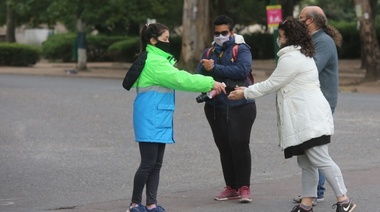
(302, 110)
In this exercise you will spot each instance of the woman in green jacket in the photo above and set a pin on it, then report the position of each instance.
(157, 78)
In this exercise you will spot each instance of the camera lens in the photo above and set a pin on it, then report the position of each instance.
(201, 98)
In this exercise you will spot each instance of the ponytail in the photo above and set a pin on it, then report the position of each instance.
(334, 34)
(321, 22)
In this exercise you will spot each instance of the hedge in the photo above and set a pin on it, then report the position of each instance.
(124, 49)
(63, 47)
(14, 54)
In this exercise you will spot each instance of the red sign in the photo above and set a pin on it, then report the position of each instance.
(274, 15)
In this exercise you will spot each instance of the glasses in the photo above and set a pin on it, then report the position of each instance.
(223, 33)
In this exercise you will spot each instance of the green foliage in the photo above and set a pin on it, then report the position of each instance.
(59, 47)
(338, 10)
(351, 39)
(262, 45)
(243, 12)
(115, 16)
(97, 47)
(125, 50)
(13, 54)
(63, 47)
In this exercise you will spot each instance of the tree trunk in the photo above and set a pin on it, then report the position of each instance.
(196, 32)
(373, 5)
(11, 26)
(81, 39)
(371, 45)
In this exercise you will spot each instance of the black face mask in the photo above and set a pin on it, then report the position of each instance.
(164, 46)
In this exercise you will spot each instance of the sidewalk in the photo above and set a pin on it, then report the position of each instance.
(350, 73)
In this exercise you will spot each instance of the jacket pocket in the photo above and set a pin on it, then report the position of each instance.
(164, 116)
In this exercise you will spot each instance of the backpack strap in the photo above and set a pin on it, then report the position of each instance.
(235, 51)
(208, 51)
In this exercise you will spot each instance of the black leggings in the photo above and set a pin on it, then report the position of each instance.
(232, 132)
(148, 173)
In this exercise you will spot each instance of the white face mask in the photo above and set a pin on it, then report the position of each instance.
(278, 42)
(221, 39)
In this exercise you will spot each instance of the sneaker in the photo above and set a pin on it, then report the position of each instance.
(137, 208)
(345, 207)
(298, 199)
(299, 209)
(228, 194)
(156, 209)
(245, 194)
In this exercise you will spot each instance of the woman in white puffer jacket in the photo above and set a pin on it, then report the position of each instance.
(305, 122)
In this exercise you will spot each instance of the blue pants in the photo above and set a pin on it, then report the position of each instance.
(321, 189)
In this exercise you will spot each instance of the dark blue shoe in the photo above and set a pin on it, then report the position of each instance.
(138, 208)
(156, 209)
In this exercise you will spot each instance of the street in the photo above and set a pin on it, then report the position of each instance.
(68, 142)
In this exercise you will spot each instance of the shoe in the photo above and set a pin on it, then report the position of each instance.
(298, 199)
(228, 194)
(299, 209)
(137, 208)
(245, 194)
(158, 208)
(345, 207)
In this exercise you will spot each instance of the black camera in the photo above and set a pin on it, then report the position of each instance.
(201, 98)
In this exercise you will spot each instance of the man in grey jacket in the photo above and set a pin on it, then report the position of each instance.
(325, 38)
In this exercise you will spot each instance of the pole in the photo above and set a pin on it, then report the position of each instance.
(275, 34)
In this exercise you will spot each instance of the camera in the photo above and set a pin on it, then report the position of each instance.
(203, 97)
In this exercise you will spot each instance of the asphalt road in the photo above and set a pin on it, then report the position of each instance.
(67, 142)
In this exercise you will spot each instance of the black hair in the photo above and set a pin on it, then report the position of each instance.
(154, 30)
(297, 34)
(223, 19)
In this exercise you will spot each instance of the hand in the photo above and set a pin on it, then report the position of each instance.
(208, 64)
(237, 94)
(219, 87)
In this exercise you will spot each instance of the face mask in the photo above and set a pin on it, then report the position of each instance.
(278, 42)
(221, 39)
(164, 46)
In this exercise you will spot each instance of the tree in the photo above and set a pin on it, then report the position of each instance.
(195, 34)
(369, 40)
(11, 25)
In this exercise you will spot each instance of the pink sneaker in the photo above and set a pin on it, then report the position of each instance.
(245, 194)
(228, 194)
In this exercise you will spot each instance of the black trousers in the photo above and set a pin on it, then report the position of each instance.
(148, 173)
(232, 132)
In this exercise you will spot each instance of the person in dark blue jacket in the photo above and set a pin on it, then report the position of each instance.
(230, 121)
